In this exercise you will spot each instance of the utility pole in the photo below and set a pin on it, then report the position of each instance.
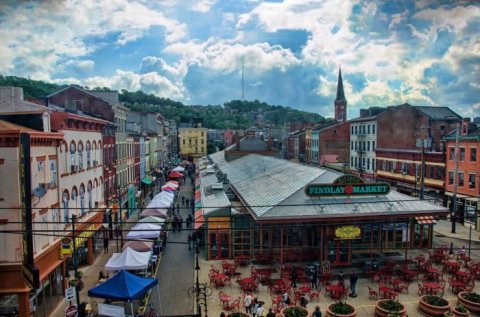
(453, 218)
(75, 260)
(423, 139)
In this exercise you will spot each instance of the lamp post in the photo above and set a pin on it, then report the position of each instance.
(75, 265)
(453, 218)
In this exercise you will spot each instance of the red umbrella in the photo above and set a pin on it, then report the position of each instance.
(175, 174)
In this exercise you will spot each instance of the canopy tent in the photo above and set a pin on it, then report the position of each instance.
(168, 188)
(159, 204)
(164, 196)
(154, 212)
(147, 180)
(175, 175)
(152, 219)
(139, 245)
(124, 286)
(129, 259)
(172, 181)
(171, 184)
(179, 169)
(144, 231)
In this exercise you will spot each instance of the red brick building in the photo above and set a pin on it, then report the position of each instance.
(334, 140)
(468, 176)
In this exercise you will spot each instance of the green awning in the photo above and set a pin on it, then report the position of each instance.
(147, 180)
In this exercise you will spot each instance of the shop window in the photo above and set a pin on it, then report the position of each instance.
(471, 181)
(473, 154)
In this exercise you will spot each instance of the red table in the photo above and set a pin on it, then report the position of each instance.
(452, 266)
(248, 284)
(220, 279)
(305, 289)
(387, 292)
(242, 259)
(432, 288)
(225, 299)
(264, 274)
(432, 273)
(336, 291)
(462, 275)
(457, 286)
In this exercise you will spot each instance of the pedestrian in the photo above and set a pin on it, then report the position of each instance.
(118, 231)
(353, 284)
(101, 276)
(260, 310)
(222, 314)
(303, 300)
(286, 298)
(462, 250)
(180, 223)
(178, 208)
(341, 279)
(293, 276)
(317, 312)
(189, 239)
(105, 244)
(314, 279)
(174, 223)
(247, 302)
(183, 200)
(255, 306)
(189, 221)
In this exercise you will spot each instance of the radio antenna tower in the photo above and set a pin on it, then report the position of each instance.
(243, 80)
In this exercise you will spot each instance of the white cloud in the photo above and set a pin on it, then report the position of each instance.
(455, 19)
(82, 65)
(398, 18)
(203, 5)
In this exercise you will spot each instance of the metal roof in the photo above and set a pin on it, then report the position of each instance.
(273, 188)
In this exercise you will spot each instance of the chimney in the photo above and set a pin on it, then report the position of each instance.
(269, 143)
(465, 124)
(237, 142)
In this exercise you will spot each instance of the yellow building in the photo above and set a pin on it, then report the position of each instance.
(192, 143)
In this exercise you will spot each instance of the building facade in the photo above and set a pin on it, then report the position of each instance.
(193, 143)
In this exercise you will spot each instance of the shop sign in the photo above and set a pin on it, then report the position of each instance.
(330, 190)
(66, 246)
(348, 232)
(348, 179)
(30, 272)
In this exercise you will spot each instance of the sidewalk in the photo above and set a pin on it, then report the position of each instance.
(444, 228)
(91, 272)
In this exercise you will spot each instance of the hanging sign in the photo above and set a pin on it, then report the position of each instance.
(348, 232)
(70, 294)
(66, 246)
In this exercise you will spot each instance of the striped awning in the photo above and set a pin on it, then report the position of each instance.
(426, 220)
(199, 219)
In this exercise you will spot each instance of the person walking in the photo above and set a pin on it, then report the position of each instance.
(247, 302)
(314, 279)
(180, 223)
(317, 312)
(353, 284)
(183, 200)
(270, 313)
(341, 279)
(293, 276)
(105, 244)
(189, 240)
(260, 310)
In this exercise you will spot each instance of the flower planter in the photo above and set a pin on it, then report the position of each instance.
(473, 307)
(293, 311)
(382, 312)
(432, 310)
(457, 313)
(331, 312)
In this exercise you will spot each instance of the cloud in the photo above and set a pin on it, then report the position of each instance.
(203, 5)
(81, 65)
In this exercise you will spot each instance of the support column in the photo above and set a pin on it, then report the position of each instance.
(91, 258)
(23, 305)
(281, 246)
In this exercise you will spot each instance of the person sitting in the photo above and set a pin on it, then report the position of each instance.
(101, 276)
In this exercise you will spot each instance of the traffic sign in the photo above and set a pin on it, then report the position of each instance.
(71, 311)
(70, 294)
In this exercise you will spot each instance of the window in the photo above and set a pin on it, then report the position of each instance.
(80, 156)
(461, 179)
(373, 164)
(87, 148)
(82, 199)
(351, 128)
(89, 193)
(368, 163)
(440, 173)
(72, 153)
(351, 145)
(450, 178)
(183, 141)
(368, 129)
(368, 145)
(471, 181)
(351, 161)
(363, 129)
(66, 211)
(462, 154)
(473, 154)
(373, 145)
(356, 127)
(53, 172)
(202, 141)
(451, 152)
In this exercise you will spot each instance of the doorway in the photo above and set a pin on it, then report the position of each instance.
(219, 245)
(339, 252)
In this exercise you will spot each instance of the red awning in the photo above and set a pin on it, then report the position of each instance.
(199, 219)
(426, 220)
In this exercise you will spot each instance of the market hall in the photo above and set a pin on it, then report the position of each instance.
(259, 206)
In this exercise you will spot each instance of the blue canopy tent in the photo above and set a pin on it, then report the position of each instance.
(124, 286)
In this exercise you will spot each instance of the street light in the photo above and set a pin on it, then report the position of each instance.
(75, 265)
(453, 218)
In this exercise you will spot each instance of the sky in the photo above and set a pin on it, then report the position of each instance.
(424, 52)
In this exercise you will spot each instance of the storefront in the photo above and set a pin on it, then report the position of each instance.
(311, 214)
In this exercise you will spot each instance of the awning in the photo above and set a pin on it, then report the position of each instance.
(147, 180)
(426, 220)
(199, 219)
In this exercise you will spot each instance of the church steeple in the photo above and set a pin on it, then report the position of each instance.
(340, 101)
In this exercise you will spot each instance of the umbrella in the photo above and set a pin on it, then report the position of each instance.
(139, 245)
(153, 219)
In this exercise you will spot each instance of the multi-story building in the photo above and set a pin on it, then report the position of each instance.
(314, 147)
(363, 143)
(121, 164)
(466, 163)
(29, 177)
(333, 145)
(411, 156)
(193, 143)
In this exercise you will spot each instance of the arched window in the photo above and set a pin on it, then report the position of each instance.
(88, 149)
(66, 211)
(82, 200)
(80, 155)
(72, 153)
(89, 193)
(74, 199)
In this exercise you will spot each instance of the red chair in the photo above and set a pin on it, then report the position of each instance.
(235, 304)
(372, 293)
(315, 294)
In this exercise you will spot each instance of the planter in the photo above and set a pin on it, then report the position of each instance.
(293, 311)
(433, 310)
(473, 307)
(458, 313)
(383, 312)
(332, 310)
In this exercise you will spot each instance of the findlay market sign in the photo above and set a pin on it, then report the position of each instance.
(353, 188)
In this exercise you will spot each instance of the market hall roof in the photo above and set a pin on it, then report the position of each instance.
(274, 189)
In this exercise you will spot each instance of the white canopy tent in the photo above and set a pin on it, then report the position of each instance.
(165, 195)
(144, 231)
(153, 220)
(129, 259)
(179, 169)
(159, 204)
